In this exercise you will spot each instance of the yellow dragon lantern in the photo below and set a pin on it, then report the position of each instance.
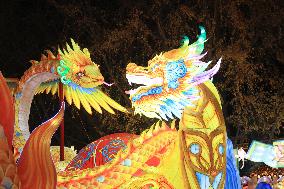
(176, 85)
(82, 86)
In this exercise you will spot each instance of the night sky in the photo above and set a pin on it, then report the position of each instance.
(247, 34)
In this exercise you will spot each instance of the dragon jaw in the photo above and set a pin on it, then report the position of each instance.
(143, 80)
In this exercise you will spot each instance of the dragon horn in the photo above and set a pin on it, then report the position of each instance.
(36, 168)
(200, 41)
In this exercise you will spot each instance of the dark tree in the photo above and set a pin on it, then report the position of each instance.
(247, 34)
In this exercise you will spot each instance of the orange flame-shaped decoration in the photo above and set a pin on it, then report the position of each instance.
(36, 168)
(7, 118)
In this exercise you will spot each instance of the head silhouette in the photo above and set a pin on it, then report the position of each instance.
(263, 185)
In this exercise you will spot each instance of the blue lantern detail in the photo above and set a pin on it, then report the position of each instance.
(52, 70)
(101, 179)
(19, 95)
(74, 86)
(126, 162)
(153, 91)
(174, 71)
(195, 148)
(173, 84)
(221, 149)
(20, 150)
(18, 134)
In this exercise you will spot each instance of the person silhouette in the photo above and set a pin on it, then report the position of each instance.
(263, 185)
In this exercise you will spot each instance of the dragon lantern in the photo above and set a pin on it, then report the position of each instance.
(175, 85)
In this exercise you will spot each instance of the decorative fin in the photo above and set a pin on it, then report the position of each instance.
(213, 89)
(33, 62)
(84, 102)
(7, 118)
(173, 124)
(43, 57)
(75, 45)
(40, 89)
(103, 104)
(67, 94)
(75, 98)
(68, 48)
(93, 103)
(36, 160)
(48, 89)
(50, 55)
(111, 102)
(59, 51)
(54, 88)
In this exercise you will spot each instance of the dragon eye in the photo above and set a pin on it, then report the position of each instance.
(80, 74)
(221, 149)
(194, 148)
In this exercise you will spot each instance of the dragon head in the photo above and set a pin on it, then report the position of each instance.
(77, 67)
(82, 80)
(169, 80)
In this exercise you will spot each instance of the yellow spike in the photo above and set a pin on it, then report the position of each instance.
(54, 88)
(111, 102)
(75, 45)
(68, 48)
(65, 52)
(59, 51)
(173, 125)
(75, 98)
(142, 136)
(33, 62)
(164, 126)
(102, 102)
(157, 127)
(48, 88)
(44, 87)
(67, 94)
(39, 89)
(86, 52)
(50, 55)
(149, 134)
(43, 57)
(84, 102)
(93, 103)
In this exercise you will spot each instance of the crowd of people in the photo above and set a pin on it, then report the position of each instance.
(264, 178)
(262, 183)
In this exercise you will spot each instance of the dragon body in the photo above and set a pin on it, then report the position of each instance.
(165, 157)
(190, 153)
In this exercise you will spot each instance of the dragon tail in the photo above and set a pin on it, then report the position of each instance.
(36, 168)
